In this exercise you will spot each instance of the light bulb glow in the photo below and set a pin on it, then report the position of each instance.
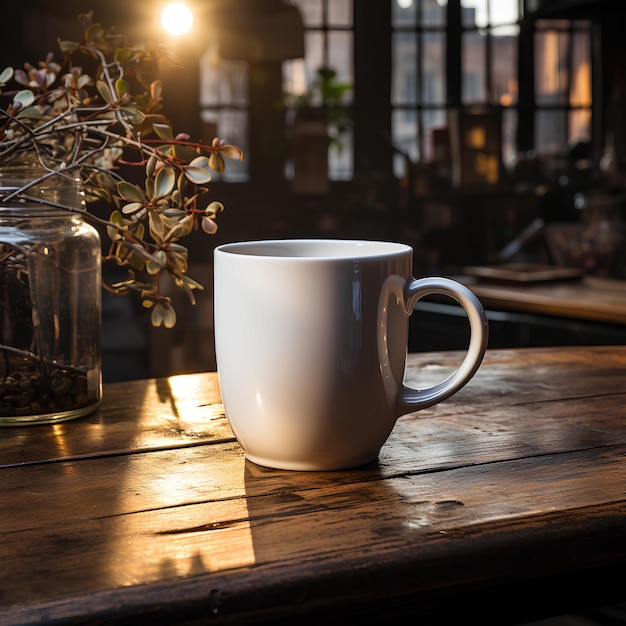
(177, 18)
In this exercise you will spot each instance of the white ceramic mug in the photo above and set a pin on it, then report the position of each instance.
(311, 340)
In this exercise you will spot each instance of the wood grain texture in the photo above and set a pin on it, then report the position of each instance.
(510, 496)
(596, 299)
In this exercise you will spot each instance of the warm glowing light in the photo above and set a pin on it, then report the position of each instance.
(177, 18)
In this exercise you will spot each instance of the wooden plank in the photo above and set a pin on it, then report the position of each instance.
(417, 521)
(187, 410)
(588, 299)
(134, 415)
(158, 511)
(449, 435)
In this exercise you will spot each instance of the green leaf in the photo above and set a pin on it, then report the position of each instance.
(198, 170)
(200, 161)
(149, 187)
(84, 80)
(182, 229)
(6, 75)
(66, 46)
(121, 88)
(216, 162)
(156, 226)
(232, 152)
(32, 112)
(123, 55)
(136, 260)
(24, 98)
(153, 267)
(184, 153)
(176, 247)
(105, 92)
(209, 226)
(164, 131)
(139, 230)
(135, 115)
(163, 314)
(178, 262)
(134, 210)
(130, 192)
(164, 182)
(174, 213)
(189, 284)
(93, 33)
(151, 165)
(192, 283)
(168, 149)
(116, 219)
(214, 208)
(156, 90)
(197, 175)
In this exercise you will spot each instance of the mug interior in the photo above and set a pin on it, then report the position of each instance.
(315, 248)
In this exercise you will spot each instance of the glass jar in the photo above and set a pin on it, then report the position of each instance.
(50, 301)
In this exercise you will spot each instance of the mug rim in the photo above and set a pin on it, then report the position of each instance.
(303, 249)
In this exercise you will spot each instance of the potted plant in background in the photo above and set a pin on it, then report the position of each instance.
(76, 133)
(321, 118)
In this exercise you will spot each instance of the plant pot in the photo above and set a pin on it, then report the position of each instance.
(50, 302)
(310, 152)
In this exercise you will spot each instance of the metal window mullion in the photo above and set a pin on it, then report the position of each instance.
(488, 56)
(454, 66)
(419, 82)
(569, 64)
(325, 48)
(526, 102)
(598, 128)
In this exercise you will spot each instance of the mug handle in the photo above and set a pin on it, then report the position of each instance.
(407, 293)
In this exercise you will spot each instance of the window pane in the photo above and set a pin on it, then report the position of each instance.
(503, 12)
(580, 89)
(404, 133)
(311, 11)
(404, 73)
(474, 86)
(314, 54)
(504, 67)
(340, 56)
(222, 82)
(550, 133)
(431, 121)
(509, 140)
(579, 126)
(340, 159)
(433, 13)
(551, 76)
(340, 13)
(294, 77)
(433, 87)
(493, 12)
(231, 123)
(403, 13)
(474, 12)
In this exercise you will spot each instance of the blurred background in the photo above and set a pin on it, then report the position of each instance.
(480, 132)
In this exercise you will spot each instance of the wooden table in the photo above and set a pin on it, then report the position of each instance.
(590, 298)
(505, 503)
